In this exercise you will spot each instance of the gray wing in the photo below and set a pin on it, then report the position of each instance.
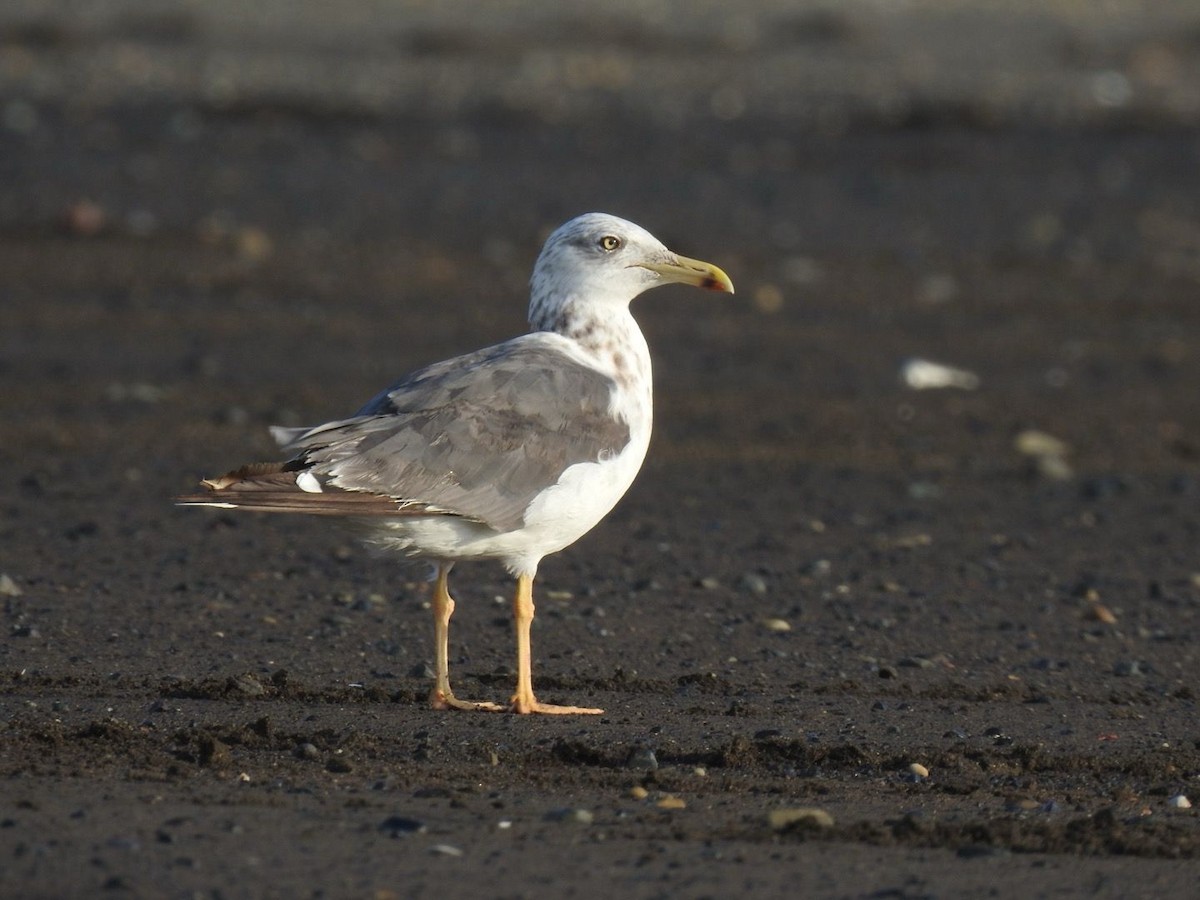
(478, 436)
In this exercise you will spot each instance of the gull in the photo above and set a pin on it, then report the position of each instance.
(509, 453)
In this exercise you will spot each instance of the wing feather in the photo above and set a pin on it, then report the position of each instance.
(479, 436)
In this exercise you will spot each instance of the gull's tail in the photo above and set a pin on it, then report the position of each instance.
(290, 487)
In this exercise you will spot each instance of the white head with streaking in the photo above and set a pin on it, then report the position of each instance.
(597, 262)
(508, 453)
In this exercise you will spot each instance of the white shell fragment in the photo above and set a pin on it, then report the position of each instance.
(923, 374)
(1179, 801)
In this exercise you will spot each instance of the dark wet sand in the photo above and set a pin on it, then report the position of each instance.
(202, 704)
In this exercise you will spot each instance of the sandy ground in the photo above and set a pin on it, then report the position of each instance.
(214, 221)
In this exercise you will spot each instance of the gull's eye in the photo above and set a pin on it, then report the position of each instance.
(609, 243)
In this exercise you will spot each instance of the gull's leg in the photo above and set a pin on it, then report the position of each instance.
(523, 700)
(441, 697)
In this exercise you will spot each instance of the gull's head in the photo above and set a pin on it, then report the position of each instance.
(602, 261)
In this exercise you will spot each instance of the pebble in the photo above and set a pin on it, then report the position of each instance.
(923, 374)
(400, 825)
(642, 758)
(8, 587)
(577, 816)
(1128, 668)
(446, 850)
(307, 751)
(671, 802)
(1049, 453)
(1098, 612)
(777, 625)
(1032, 442)
(919, 770)
(637, 792)
(802, 816)
(253, 243)
(85, 218)
(1179, 801)
(249, 686)
(768, 298)
(819, 568)
(753, 583)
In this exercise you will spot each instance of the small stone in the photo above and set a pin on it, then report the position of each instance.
(254, 244)
(1055, 468)
(768, 298)
(338, 765)
(1098, 612)
(819, 568)
(799, 817)
(671, 802)
(1179, 801)
(924, 374)
(709, 583)
(576, 816)
(396, 826)
(446, 850)
(85, 218)
(642, 758)
(8, 587)
(753, 583)
(1038, 443)
(919, 770)
(777, 625)
(1130, 668)
(249, 686)
(637, 792)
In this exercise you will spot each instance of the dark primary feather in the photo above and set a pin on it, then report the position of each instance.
(478, 436)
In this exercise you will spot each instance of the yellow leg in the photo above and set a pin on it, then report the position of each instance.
(523, 700)
(441, 697)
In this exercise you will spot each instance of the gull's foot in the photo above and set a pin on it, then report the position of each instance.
(446, 700)
(532, 705)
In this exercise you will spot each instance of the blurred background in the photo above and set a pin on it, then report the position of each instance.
(189, 188)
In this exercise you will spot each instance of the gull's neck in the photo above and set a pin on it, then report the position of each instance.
(606, 332)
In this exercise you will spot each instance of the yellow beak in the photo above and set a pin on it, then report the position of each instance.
(695, 272)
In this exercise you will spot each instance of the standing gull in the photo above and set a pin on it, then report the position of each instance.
(508, 453)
